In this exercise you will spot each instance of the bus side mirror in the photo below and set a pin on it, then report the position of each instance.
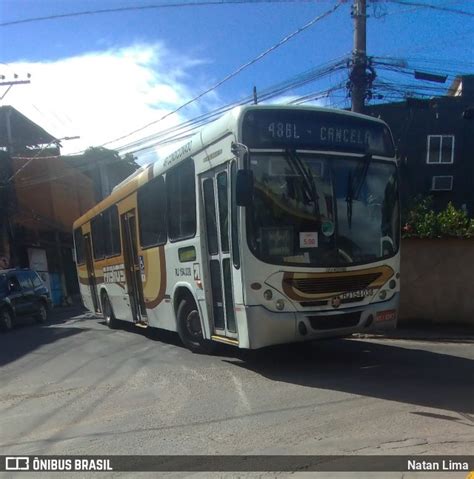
(244, 188)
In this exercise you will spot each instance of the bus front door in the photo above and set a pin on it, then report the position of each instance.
(215, 195)
(90, 272)
(133, 268)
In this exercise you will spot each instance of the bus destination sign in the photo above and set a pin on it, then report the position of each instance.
(305, 129)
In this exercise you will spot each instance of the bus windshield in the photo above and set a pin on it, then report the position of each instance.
(321, 210)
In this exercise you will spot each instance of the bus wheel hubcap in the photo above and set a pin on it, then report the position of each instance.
(193, 324)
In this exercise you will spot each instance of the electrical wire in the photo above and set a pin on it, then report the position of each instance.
(298, 81)
(145, 7)
(432, 7)
(234, 73)
(167, 141)
(186, 129)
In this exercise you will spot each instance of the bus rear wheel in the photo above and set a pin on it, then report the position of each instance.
(190, 329)
(110, 319)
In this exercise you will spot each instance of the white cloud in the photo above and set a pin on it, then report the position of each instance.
(103, 95)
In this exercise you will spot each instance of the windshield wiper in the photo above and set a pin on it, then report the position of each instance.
(353, 191)
(308, 179)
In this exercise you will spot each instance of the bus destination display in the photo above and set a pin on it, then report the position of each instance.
(315, 130)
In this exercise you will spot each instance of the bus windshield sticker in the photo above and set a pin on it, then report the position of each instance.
(309, 239)
(327, 228)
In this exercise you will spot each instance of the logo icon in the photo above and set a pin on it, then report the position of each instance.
(17, 463)
(336, 302)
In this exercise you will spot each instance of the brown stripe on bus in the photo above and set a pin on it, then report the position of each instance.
(161, 293)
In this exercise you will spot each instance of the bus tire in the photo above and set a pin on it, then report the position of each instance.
(110, 320)
(190, 329)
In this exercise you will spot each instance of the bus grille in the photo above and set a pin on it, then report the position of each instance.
(335, 321)
(333, 284)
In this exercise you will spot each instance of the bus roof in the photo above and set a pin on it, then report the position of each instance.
(207, 134)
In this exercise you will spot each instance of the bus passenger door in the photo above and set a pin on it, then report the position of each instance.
(216, 205)
(132, 267)
(90, 271)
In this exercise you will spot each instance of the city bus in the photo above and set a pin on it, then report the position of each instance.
(274, 224)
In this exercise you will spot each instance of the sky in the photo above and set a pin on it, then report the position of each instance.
(104, 76)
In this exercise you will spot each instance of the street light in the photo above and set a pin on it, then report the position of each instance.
(57, 141)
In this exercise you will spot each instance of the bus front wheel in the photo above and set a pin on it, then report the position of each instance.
(190, 329)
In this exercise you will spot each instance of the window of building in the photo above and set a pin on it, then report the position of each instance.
(79, 243)
(112, 237)
(152, 213)
(180, 185)
(98, 236)
(442, 183)
(440, 149)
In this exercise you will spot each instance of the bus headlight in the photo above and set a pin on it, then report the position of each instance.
(268, 295)
(383, 294)
(280, 304)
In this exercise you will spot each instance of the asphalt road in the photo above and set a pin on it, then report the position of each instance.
(75, 387)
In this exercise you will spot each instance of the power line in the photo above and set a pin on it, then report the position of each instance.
(181, 136)
(186, 129)
(264, 95)
(144, 7)
(432, 7)
(234, 73)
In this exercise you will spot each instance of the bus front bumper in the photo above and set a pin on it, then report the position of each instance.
(266, 328)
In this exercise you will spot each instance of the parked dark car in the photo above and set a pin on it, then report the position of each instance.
(22, 293)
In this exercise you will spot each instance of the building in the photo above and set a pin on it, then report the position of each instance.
(435, 144)
(42, 193)
(104, 167)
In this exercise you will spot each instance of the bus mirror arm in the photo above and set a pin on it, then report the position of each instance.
(239, 149)
(244, 187)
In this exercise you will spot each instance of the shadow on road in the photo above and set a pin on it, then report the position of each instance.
(16, 343)
(27, 335)
(384, 371)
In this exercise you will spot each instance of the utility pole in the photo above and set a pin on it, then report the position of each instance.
(11, 83)
(358, 76)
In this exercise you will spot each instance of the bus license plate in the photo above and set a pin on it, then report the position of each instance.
(389, 315)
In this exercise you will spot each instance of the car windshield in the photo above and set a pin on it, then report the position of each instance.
(321, 210)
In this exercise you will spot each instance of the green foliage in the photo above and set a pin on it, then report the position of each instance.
(422, 221)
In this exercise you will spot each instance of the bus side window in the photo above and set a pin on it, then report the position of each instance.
(79, 244)
(152, 213)
(112, 227)
(181, 192)
(98, 236)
